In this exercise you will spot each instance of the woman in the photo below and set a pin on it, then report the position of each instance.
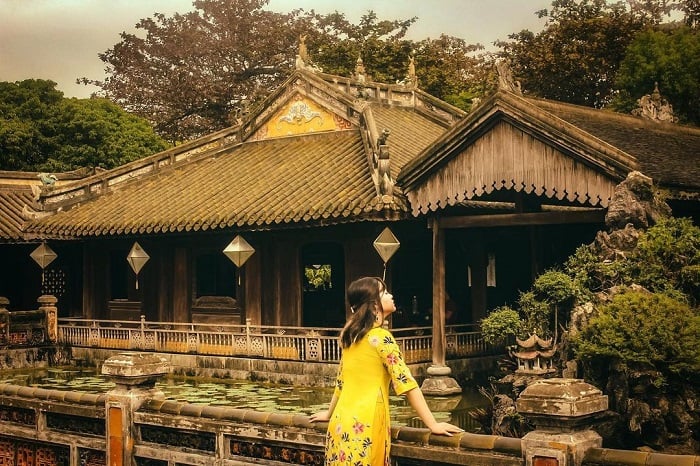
(358, 414)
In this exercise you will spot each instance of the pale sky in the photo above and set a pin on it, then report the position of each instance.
(60, 39)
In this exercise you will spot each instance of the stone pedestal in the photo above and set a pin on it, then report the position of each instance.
(439, 382)
(47, 304)
(135, 375)
(563, 411)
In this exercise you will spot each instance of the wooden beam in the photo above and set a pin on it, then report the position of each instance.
(524, 219)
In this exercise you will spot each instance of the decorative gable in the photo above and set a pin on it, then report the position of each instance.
(508, 158)
(300, 115)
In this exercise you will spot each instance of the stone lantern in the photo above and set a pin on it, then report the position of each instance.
(563, 411)
(135, 376)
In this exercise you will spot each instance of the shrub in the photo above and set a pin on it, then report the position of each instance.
(667, 257)
(554, 287)
(501, 323)
(642, 327)
(537, 314)
(590, 274)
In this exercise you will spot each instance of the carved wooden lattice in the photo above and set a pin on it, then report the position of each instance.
(257, 346)
(78, 424)
(22, 453)
(313, 350)
(192, 341)
(199, 441)
(91, 457)
(18, 415)
(276, 453)
(149, 462)
(94, 337)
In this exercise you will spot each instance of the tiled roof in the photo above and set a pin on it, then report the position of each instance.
(667, 152)
(410, 134)
(616, 143)
(323, 177)
(12, 202)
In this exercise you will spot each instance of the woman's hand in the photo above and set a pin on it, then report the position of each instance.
(320, 417)
(445, 428)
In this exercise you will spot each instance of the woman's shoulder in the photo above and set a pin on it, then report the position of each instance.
(380, 332)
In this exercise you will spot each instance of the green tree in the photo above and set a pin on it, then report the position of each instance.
(667, 258)
(191, 72)
(40, 130)
(644, 328)
(97, 133)
(454, 71)
(670, 58)
(576, 56)
(381, 44)
(194, 73)
(27, 109)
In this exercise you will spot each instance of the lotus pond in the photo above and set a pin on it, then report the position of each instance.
(250, 395)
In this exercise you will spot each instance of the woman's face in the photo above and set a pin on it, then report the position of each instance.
(387, 300)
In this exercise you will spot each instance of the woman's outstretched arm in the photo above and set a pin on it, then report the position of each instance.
(417, 401)
(325, 415)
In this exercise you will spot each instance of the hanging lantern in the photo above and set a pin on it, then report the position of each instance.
(43, 255)
(386, 245)
(137, 258)
(239, 251)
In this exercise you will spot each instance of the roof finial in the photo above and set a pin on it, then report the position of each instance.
(505, 78)
(654, 107)
(360, 70)
(303, 62)
(412, 78)
(303, 52)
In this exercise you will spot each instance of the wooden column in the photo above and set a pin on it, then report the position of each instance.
(181, 286)
(252, 288)
(479, 261)
(439, 382)
(439, 341)
(164, 280)
(89, 272)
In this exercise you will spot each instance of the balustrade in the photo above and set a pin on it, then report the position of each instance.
(261, 341)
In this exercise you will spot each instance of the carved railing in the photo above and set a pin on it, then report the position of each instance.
(26, 329)
(258, 341)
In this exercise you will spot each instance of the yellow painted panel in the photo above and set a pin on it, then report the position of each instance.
(302, 116)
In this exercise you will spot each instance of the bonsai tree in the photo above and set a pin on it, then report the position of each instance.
(539, 309)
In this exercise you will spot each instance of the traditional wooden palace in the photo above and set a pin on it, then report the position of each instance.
(480, 204)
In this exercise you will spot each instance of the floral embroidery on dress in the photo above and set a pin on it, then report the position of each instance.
(359, 432)
(358, 427)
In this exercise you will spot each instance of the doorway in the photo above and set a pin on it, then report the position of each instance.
(323, 285)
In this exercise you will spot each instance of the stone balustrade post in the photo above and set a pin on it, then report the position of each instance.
(562, 411)
(4, 320)
(47, 303)
(135, 375)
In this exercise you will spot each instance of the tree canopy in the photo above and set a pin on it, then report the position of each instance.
(40, 130)
(194, 73)
(599, 53)
(669, 59)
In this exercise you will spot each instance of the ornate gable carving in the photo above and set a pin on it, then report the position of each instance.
(300, 115)
(507, 158)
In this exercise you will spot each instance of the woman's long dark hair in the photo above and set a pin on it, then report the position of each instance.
(364, 297)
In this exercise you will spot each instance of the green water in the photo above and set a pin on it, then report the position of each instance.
(250, 395)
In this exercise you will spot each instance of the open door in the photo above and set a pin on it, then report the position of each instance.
(323, 294)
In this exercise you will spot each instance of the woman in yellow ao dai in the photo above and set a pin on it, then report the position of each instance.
(358, 415)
